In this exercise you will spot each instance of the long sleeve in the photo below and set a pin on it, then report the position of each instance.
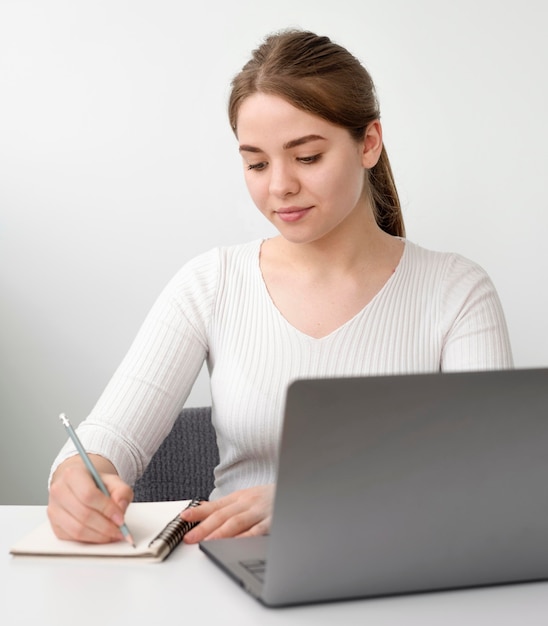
(139, 405)
(470, 311)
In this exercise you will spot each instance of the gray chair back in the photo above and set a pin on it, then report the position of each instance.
(182, 467)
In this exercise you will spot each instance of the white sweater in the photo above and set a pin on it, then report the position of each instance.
(436, 312)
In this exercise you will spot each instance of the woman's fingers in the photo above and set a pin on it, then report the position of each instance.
(79, 511)
(243, 513)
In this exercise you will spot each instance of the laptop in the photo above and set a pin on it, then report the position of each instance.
(402, 484)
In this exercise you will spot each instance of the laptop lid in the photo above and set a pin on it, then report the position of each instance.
(397, 484)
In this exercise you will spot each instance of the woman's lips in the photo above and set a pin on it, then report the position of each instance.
(292, 214)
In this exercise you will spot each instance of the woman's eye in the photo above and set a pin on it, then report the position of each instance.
(310, 159)
(256, 166)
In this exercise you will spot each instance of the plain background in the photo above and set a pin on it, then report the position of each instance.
(117, 165)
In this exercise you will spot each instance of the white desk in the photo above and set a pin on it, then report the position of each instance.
(188, 589)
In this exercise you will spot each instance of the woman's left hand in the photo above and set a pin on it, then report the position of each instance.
(244, 513)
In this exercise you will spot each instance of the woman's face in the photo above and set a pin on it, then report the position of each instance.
(304, 174)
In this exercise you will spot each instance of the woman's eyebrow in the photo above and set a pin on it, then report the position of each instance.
(246, 148)
(299, 142)
(287, 146)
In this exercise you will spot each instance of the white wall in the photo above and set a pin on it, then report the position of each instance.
(117, 165)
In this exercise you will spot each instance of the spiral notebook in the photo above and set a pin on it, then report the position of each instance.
(156, 528)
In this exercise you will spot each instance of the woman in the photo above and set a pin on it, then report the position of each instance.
(338, 292)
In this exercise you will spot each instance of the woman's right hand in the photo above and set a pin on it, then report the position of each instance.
(77, 508)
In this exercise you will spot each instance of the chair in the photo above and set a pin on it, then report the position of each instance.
(182, 467)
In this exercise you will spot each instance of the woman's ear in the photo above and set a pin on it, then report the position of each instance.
(372, 144)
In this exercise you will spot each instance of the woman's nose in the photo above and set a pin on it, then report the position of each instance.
(283, 181)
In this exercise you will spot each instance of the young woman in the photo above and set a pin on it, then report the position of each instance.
(339, 292)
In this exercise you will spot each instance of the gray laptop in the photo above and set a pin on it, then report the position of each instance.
(400, 484)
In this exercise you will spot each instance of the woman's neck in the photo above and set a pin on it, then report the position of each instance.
(354, 247)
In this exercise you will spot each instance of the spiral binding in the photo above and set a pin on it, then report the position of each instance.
(173, 533)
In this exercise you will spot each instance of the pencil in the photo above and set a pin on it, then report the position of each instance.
(94, 473)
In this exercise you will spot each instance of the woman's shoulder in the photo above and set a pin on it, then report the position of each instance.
(207, 268)
(419, 258)
(449, 276)
(199, 281)
(227, 254)
(212, 258)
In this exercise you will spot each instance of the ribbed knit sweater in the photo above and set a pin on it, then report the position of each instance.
(437, 312)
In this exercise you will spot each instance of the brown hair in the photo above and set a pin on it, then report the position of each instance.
(317, 75)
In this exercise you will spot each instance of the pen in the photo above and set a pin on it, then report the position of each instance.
(94, 473)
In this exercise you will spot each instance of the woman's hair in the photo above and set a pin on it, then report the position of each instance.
(320, 77)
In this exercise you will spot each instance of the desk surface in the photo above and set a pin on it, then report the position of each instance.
(187, 586)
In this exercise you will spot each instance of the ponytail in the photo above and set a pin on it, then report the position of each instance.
(386, 202)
